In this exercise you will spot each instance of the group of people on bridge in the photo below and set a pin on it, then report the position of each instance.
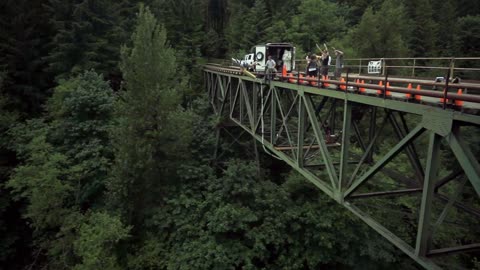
(316, 65)
(323, 61)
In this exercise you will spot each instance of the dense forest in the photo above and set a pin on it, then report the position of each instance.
(106, 137)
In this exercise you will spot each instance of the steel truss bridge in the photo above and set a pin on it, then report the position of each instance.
(344, 137)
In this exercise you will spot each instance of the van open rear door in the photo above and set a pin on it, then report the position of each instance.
(260, 58)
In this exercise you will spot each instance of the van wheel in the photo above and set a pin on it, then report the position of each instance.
(259, 56)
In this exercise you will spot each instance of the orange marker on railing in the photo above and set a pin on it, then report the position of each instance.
(459, 103)
(418, 96)
(442, 99)
(362, 89)
(388, 92)
(326, 84)
(300, 81)
(408, 95)
(343, 87)
(291, 78)
(380, 83)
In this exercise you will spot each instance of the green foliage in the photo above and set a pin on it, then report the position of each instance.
(425, 30)
(40, 182)
(375, 36)
(316, 23)
(185, 22)
(238, 220)
(81, 111)
(445, 15)
(65, 158)
(469, 35)
(97, 238)
(247, 27)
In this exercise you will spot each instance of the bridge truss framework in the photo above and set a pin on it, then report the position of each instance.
(299, 124)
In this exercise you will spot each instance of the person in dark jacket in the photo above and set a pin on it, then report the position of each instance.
(312, 66)
(326, 59)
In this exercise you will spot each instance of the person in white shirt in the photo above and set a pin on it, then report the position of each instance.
(270, 67)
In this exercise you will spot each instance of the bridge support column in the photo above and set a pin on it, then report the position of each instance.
(431, 171)
(347, 119)
(301, 131)
(466, 159)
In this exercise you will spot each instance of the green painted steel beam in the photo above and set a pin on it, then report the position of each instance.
(398, 105)
(466, 159)
(392, 104)
(311, 177)
(284, 121)
(383, 161)
(327, 160)
(301, 132)
(273, 115)
(347, 120)
(431, 171)
(248, 105)
(451, 201)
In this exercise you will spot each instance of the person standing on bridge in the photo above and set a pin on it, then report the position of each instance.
(338, 63)
(326, 59)
(312, 66)
(270, 67)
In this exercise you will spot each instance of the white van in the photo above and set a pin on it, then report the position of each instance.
(282, 53)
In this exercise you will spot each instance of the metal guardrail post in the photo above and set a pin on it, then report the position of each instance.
(383, 66)
(413, 68)
(452, 67)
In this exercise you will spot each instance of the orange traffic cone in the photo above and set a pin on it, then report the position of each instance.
(388, 92)
(291, 78)
(343, 87)
(418, 96)
(442, 99)
(326, 84)
(459, 103)
(284, 71)
(408, 95)
(380, 83)
(362, 89)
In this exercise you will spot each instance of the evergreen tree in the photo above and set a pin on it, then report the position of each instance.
(424, 29)
(24, 34)
(184, 21)
(88, 36)
(376, 37)
(248, 26)
(445, 14)
(469, 35)
(316, 23)
(153, 131)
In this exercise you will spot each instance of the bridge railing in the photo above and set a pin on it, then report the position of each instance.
(467, 68)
